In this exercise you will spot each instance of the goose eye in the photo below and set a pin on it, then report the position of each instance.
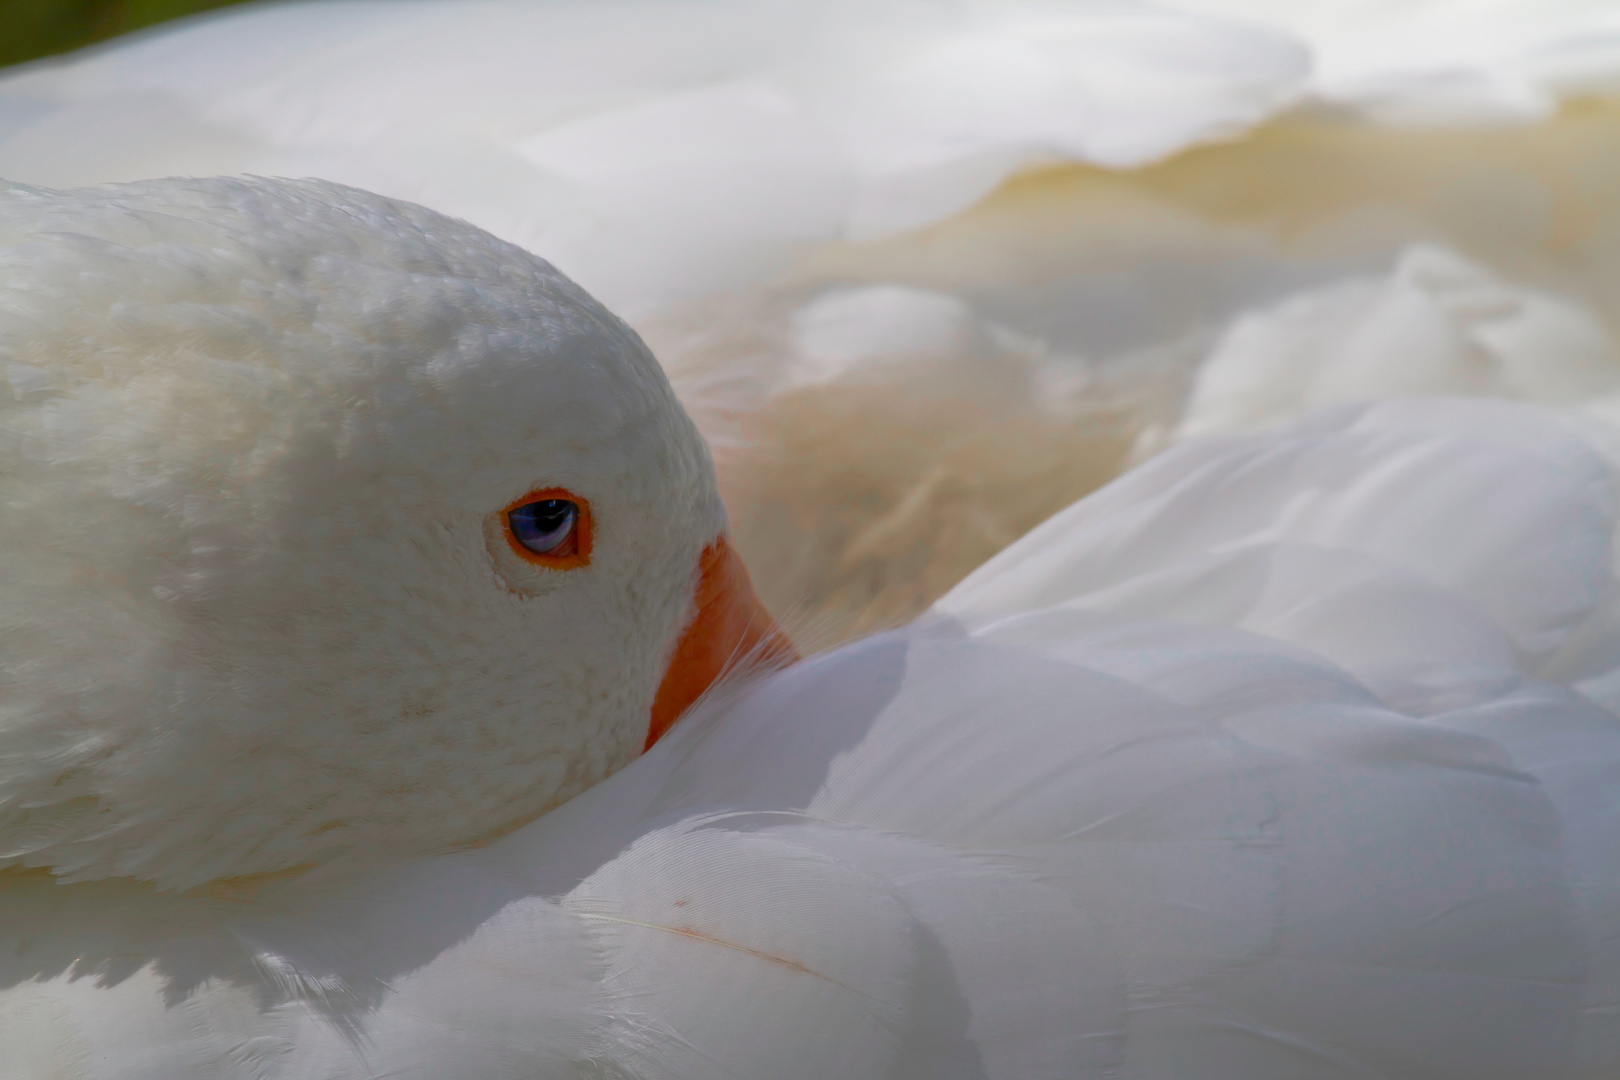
(546, 527)
(550, 528)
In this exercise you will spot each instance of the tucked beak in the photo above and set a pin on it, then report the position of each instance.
(728, 629)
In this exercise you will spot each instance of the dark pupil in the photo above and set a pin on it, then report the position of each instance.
(540, 526)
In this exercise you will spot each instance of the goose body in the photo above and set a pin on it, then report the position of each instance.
(1285, 755)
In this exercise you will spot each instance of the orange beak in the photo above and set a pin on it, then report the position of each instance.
(729, 629)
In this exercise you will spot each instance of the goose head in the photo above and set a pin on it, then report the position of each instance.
(333, 528)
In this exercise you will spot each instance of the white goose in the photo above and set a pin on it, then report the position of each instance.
(345, 542)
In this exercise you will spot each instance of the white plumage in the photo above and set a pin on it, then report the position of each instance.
(1265, 761)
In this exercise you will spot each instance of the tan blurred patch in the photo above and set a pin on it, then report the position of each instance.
(1532, 199)
(856, 511)
(857, 504)
(1501, 191)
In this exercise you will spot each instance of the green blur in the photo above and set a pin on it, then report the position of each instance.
(32, 28)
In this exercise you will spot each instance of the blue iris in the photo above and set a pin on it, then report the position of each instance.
(543, 526)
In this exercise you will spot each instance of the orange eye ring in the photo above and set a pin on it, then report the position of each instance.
(574, 550)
